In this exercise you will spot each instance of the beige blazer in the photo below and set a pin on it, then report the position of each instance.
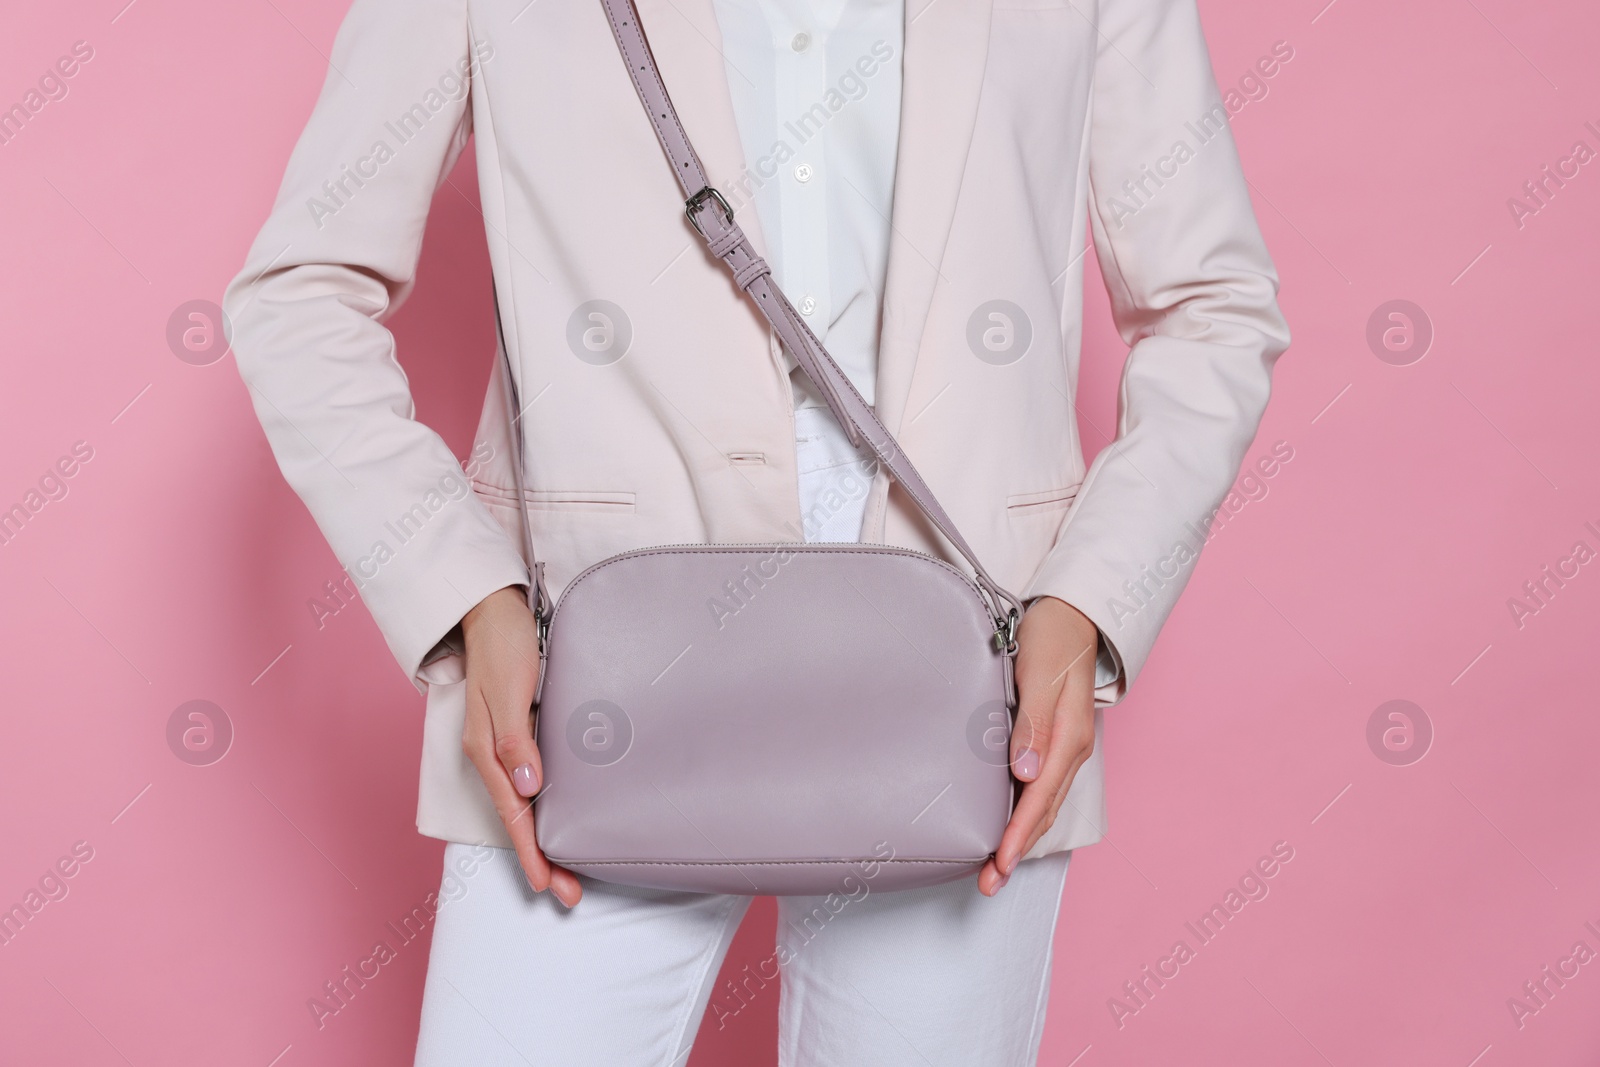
(1028, 126)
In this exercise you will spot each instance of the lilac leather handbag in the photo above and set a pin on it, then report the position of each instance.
(771, 718)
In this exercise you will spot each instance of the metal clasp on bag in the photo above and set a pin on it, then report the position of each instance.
(1005, 634)
(698, 200)
(539, 604)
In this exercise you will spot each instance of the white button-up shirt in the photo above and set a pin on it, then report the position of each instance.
(816, 95)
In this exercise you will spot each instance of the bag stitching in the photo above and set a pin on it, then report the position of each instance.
(796, 546)
(751, 863)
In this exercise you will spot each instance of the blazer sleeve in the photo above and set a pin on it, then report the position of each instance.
(1194, 294)
(335, 259)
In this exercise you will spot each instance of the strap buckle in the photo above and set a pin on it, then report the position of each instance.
(698, 200)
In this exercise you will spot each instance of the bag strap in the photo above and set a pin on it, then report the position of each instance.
(538, 596)
(713, 219)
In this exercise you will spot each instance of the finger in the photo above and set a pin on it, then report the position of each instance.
(1036, 713)
(1039, 695)
(516, 813)
(1075, 736)
(522, 771)
(1041, 683)
(565, 885)
(513, 808)
(510, 705)
(1036, 811)
(1032, 806)
(1054, 810)
(1030, 738)
(499, 741)
(990, 880)
(1066, 749)
(519, 756)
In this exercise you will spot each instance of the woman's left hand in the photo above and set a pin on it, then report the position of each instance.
(1054, 731)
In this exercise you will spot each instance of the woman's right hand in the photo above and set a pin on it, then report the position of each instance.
(502, 642)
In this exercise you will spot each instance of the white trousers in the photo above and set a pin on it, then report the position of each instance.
(920, 978)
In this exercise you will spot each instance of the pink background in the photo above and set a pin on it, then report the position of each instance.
(1378, 566)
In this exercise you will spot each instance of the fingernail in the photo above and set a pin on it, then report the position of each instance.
(1001, 884)
(526, 779)
(1009, 866)
(1026, 766)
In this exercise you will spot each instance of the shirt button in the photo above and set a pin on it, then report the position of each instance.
(802, 173)
(801, 42)
(807, 306)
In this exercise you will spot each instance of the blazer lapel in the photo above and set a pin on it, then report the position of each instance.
(687, 44)
(946, 48)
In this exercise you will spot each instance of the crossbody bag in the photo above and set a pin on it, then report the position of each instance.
(770, 718)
